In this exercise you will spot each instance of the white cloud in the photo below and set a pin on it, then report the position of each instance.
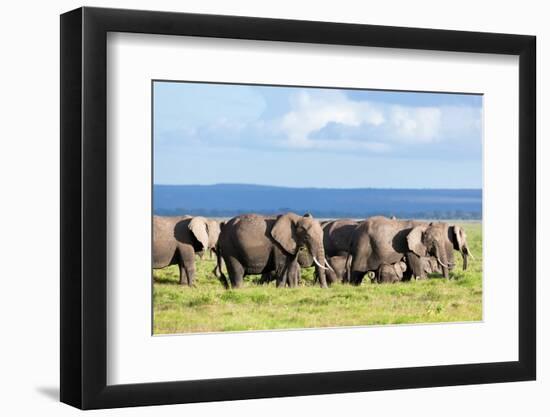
(415, 124)
(310, 113)
(316, 119)
(330, 120)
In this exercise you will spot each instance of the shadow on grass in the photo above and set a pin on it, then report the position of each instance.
(166, 280)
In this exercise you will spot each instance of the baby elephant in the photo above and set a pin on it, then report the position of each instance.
(425, 265)
(339, 269)
(340, 266)
(387, 273)
(292, 273)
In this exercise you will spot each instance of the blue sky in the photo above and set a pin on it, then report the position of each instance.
(314, 137)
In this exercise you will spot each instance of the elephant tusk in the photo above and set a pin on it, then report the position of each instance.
(470, 254)
(328, 266)
(442, 264)
(318, 264)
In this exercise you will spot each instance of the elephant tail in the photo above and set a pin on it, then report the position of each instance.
(218, 270)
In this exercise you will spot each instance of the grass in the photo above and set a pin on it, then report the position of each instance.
(210, 308)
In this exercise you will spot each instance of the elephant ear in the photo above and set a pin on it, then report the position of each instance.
(283, 232)
(414, 241)
(398, 269)
(458, 237)
(199, 228)
(214, 229)
(401, 266)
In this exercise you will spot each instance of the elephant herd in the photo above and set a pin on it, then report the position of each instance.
(277, 247)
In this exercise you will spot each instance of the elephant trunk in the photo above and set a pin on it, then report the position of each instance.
(318, 253)
(465, 254)
(464, 261)
(442, 259)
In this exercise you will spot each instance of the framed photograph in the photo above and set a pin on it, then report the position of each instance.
(259, 208)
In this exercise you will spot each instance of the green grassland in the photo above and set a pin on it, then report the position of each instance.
(210, 308)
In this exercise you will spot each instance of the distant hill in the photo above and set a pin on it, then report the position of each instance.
(227, 200)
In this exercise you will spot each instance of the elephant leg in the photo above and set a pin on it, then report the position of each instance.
(356, 277)
(263, 279)
(293, 274)
(183, 274)
(357, 273)
(282, 277)
(191, 272)
(218, 271)
(187, 260)
(266, 278)
(298, 277)
(407, 275)
(282, 280)
(235, 271)
(346, 274)
(290, 279)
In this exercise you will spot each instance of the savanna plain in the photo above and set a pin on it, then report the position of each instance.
(210, 308)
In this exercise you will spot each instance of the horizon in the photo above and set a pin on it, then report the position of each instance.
(320, 188)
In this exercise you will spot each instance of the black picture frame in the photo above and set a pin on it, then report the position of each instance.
(84, 207)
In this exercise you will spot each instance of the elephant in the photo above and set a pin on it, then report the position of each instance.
(338, 271)
(292, 276)
(340, 265)
(437, 240)
(304, 260)
(176, 241)
(337, 235)
(390, 273)
(379, 240)
(422, 266)
(256, 244)
(336, 239)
